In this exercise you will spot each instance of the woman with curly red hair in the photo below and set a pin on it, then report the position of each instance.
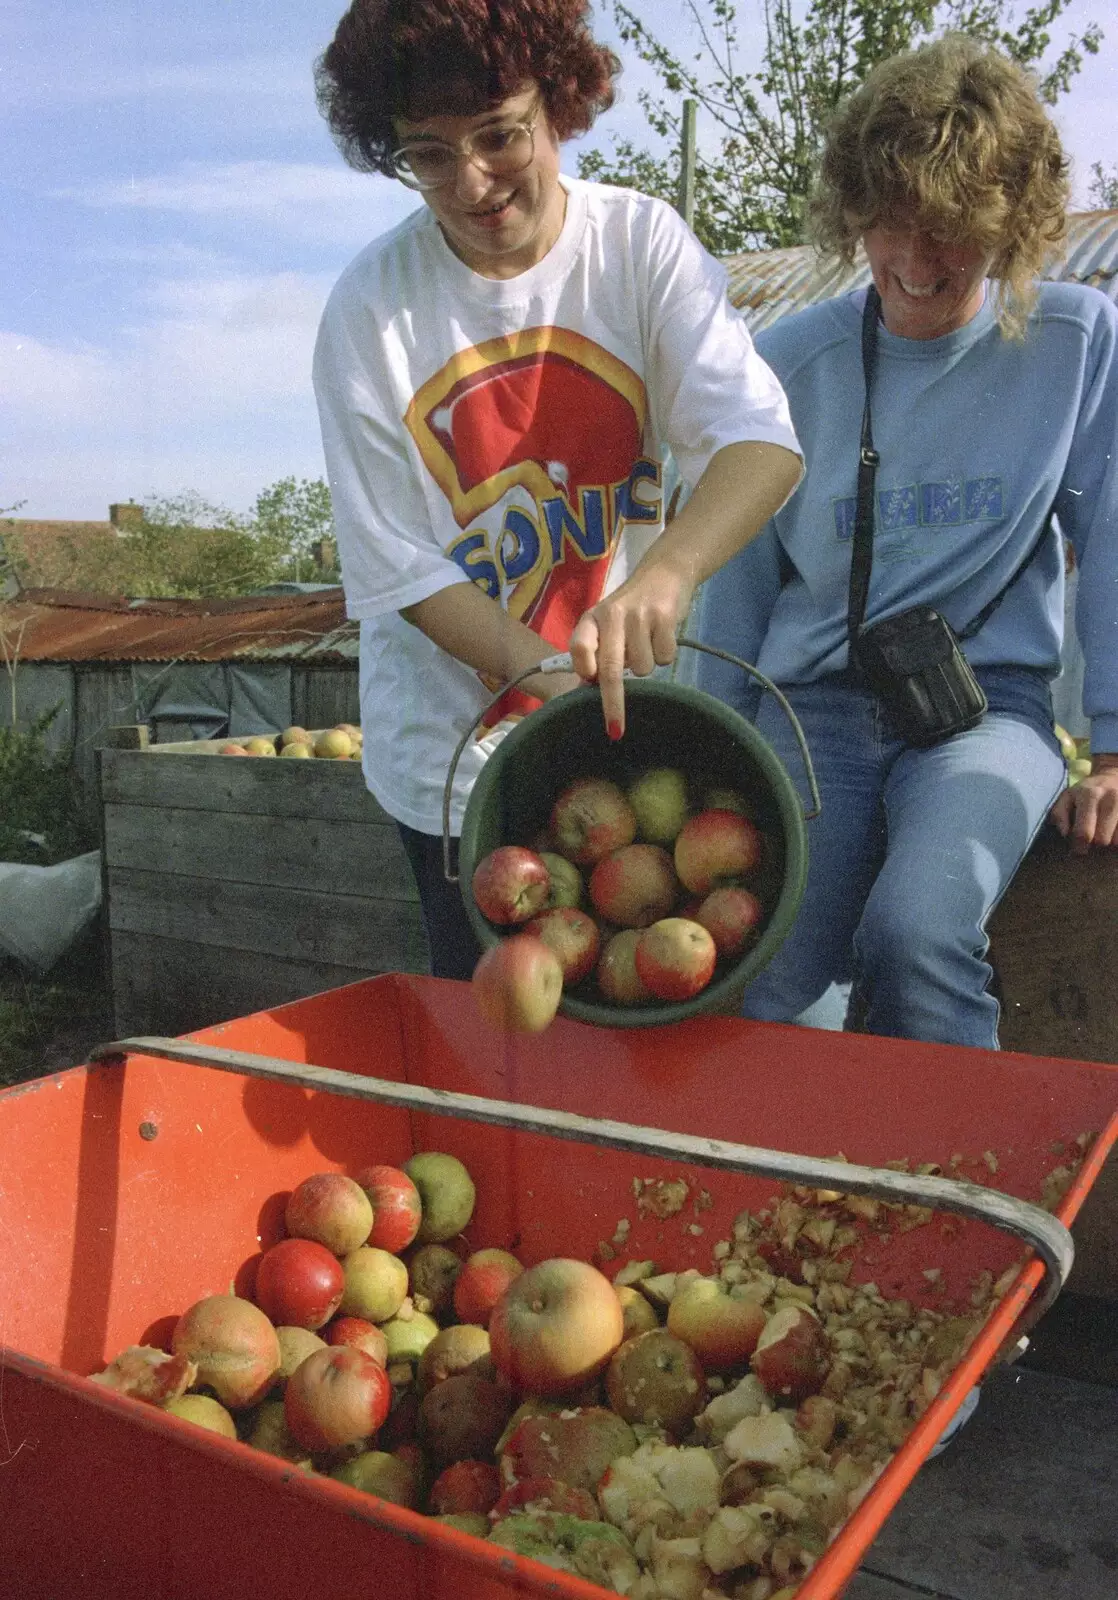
(501, 380)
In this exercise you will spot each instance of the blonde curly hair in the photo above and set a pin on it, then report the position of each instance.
(953, 136)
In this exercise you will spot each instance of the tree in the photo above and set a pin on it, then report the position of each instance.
(1104, 187)
(751, 190)
(296, 515)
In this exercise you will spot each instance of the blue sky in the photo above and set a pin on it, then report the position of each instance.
(175, 215)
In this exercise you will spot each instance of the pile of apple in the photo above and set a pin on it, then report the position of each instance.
(668, 1435)
(339, 743)
(632, 893)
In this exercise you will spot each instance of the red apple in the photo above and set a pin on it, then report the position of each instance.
(518, 984)
(714, 848)
(484, 1277)
(793, 1354)
(658, 1380)
(465, 1486)
(618, 978)
(576, 1447)
(331, 1209)
(555, 1327)
(233, 1345)
(573, 936)
(731, 916)
(590, 818)
(375, 1284)
(337, 1396)
(299, 1283)
(510, 884)
(233, 750)
(720, 1328)
(397, 1210)
(360, 1333)
(675, 958)
(634, 886)
(546, 1494)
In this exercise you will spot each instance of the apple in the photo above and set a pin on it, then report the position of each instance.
(294, 735)
(331, 1209)
(205, 1412)
(337, 1396)
(465, 1486)
(565, 886)
(232, 750)
(574, 938)
(297, 752)
(546, 1494)
(269, 1432)
(793, 1354)
(657, 1380)
(731, 916)
(375, 1284)
(381, 1473)
(260, 745)
(433, 1269)
(722, 1329)
(355, 734)
(510, 884)
(659, 799)
(590, 818)
(484, 1277)
(232, 1344)
(675, 958)
(446, 1194)
(361, 1333)
(714, 848)
(463, 1348)
(397, 1208)
(618, 978)
(409, 1335)
(333, 744)
(634, 886)
(576, 1447)
(295, 1346)
(518, 984)
(555, 1327)
(726, 799)
(638, 1312)
(147, 1373)
(462, 1418)
(299, 1283)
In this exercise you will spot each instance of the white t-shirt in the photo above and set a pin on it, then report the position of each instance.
(514, 432)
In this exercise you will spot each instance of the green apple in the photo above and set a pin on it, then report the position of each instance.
(659, 800)
(565, 886)
(446, 1193)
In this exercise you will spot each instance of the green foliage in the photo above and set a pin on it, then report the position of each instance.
(47, 1025)
(751, 184)
(296, 515)
(41, 820)
(1103, 192)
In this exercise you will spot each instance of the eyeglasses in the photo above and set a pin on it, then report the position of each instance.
(500, 150)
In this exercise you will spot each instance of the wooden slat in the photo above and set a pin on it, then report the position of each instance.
(176, 986)
(365, 858)
(321, 698)
(330, 926)
(332, 790)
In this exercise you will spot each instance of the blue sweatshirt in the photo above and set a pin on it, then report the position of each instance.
(980, 437)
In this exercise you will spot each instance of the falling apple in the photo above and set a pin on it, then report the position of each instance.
(518, 984)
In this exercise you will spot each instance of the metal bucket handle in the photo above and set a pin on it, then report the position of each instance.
(563, 663)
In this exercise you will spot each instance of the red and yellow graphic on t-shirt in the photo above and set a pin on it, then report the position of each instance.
(554, 414)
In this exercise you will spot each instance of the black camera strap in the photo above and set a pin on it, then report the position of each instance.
(861, 555)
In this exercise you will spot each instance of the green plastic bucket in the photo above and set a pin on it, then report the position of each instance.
(666, 725)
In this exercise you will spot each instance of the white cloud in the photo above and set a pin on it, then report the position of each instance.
(310, 200)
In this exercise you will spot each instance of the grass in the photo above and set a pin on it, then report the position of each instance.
(49, 1023)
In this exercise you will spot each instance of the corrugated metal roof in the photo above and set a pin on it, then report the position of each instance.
(768, 284)
(55, 625)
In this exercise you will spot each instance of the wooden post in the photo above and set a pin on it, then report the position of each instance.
(131, 736)
(685, 204)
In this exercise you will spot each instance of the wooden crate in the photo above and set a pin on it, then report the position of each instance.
(1053, 943)
(232, 886)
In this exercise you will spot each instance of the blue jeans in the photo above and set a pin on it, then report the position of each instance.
(912, 851)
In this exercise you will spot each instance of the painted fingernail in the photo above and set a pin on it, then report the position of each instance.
(614, 731)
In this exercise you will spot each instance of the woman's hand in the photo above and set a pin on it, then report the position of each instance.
(1087, 813)
(634, 627)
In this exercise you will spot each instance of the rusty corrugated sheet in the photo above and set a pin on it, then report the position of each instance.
(767, 284)
(52, 625)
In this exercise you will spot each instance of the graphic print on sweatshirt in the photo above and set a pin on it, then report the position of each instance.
(536, 440)
(952, 503)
